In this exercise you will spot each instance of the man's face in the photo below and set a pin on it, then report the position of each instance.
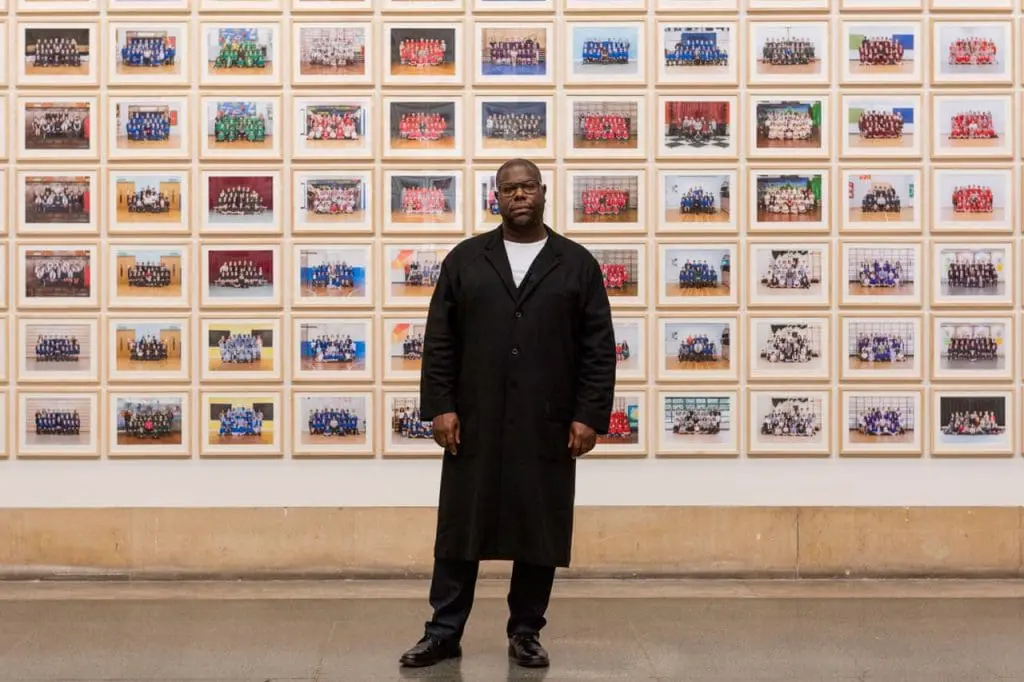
(520, 196)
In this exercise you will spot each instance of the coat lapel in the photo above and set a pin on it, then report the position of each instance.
(496, 256)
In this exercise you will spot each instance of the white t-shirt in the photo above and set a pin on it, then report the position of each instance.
(521, 256)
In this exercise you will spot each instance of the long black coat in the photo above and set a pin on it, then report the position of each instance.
(517, 365)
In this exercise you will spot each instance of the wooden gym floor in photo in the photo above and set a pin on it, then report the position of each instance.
(607, 630)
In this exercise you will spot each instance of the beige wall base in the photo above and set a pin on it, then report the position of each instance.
(784, 542)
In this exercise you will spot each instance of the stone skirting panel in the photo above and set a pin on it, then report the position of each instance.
(609, 542)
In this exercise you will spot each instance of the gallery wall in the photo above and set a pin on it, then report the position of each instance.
(225, 217)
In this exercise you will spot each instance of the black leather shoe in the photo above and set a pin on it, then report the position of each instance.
(429, 651)
(527, 651)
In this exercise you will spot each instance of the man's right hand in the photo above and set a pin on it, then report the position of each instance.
(446, 431)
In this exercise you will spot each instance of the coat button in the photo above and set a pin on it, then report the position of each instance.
(515, 350)
(519, 313)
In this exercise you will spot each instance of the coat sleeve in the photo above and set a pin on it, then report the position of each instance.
(595, 390)
(440, 350)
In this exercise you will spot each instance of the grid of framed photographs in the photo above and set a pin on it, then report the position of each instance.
(224, 218)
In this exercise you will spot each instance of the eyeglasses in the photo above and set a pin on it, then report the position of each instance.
(509, 189)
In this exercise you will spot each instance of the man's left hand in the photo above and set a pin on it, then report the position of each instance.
(582, 439)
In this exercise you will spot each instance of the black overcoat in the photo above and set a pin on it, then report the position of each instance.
(517, 365)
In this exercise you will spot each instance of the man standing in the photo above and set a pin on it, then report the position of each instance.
(518, 378)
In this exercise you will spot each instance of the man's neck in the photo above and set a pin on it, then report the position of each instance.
(526, 235)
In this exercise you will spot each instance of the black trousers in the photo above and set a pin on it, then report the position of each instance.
(453, 587)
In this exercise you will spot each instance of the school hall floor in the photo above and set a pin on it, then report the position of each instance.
(354, 631)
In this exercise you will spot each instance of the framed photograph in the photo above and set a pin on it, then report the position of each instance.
(339, 128)
(512, 125)
(239, 5)
(698, 349)
(62, 6)
(789, 200)
(54, 203)
(692, 53)
(58, 54)
(972, 52)
(423, 127)
(627, 428)
(149, 275)
(789, 6)
(149, 53)
(411, 269)
(885, 126)
(246, 274)
(698, 424)
(630, 347)
(882, 273)
(114, 6)
(241, 424)
(424, 201)
(972, 199)
(605, 5)
(514, 54)
(332, 424)
(332, 53)
(148, 350)
(972, 348)
(332, 6)
(967, 6)
(605, 201)
(784, 128)
(513, 6)
(883, 199)
(698, 274)
(790, 348)
(887, 422)
(336, 275)
(606, 127)
(244, 53)
(327, 200)
(240, 201)
(145, 128)
(605, 53)
(149, 424)
(58, 424)
(58, 128)
(241, 349)
(789, 273)
(697, 127)
(881, 348)
(880, 6)
(973, 423)
(57, 276)
(404, 432)
(972, 125)
(971, 273)
(686, 6)
(242, 129)
(428, 54)
(65, 351)
(881, 52)
(697, 202)
(148, 202)
(789, 423)
(417, 6)
(789, 52)
(333, 349)
(486, 212)
(403, 344)
(624, 266)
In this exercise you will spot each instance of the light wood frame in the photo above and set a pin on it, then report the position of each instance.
(609, 449)
(68, 302)
(273, 78)
(569, 222)
(823, 151)
(275, 130)
(280, 422)
(567, 114)
(300, 23)
(336, 448)
(731, 448)
(141, 301)
(823, 226)
(787, 372)
(973, 374)
(303, 150)
(304, 227)
(881, 75)
(969, 224)
(457, 79)
(914, 373)
(457, 151)
(569, 77)
(737, 339)
(498, 152)
(181, 103)
(823, 31)
(363, 253)
(147, 377)
(369, 339)
(95, 119)
(887, 149)
(974, 99)
(551, 47)
(1010, 262)
(91, 228)
(913, 299)
(639, 350)
(281, 349)
(1006, 53)
(185, 450)
(183, 175)
(425, 448)
(872, 227)
(822, 299)
(736, 274)
(709, 153)
(22, 79)
(823, 448)
(457, 224)
(848, 448)
(55, 399)
(183, 53)
(91, 329)
(248, 226)
(973, 449)
(386, 331)
(274, 300)
(712, 76)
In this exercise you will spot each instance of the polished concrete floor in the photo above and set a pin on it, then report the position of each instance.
(680, 631)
